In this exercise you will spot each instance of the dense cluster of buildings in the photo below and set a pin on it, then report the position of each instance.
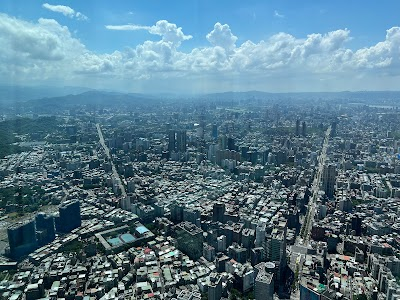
(209, 202)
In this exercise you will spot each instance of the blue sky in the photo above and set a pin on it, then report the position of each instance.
(201, 46)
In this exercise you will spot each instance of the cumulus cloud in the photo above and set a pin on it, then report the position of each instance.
(66, 11)
(168, 31)
(383, 55)
(45, 49)
(222, 36)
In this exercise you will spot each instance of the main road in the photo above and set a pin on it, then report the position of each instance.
(299, 250)
(308, 220)
(114, 170)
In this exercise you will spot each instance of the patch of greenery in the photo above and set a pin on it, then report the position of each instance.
(35, 128)
(7, 275)
(75, 246)
(25, 198)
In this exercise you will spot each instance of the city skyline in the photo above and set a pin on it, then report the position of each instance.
(201, 47)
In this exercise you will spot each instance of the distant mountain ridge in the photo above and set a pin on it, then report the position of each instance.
(62, 96)
(23, 93)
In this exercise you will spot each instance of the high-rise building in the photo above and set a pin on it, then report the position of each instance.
(223, 142)
(177, 212)
(208, 252)
(171, 140)
(192, 215)
(189, 239)
(329, 179)
(215, 287)
(22, 238)
(231, 144)
(297, 127)
(45, 230)
(70, 216)
(304, 128)
(218, 212)
(181, 141)
(215, 131)
(260, 234)
(356, 224)
(275, 248)
(221, 243)
(264, 286)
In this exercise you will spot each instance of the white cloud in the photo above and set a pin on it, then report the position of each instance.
(81, 17)
(222, 36)
(278, 15)
(45, 50)
(127, 27)
(66, 11)
(169, 31)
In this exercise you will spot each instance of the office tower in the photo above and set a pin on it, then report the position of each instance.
(221, 243)
(248, 237)
(303, 129)
(189, 239)
(223, 142)
(181, 141)
(260, 234)
(192, 215)
(215, 287)
(328, 180)
(171, 140)
(275, 248)
(281, 157)
(176, 212)
(231, 144)
(215, 131)
(208, 252)
(70, 216)
(356, 224)
(297, 127)
(256, 255)
(22, 238)
(238, 253)
(243, 153)
(264, 286)
(218, 212)
(45, 230)
(212, 237)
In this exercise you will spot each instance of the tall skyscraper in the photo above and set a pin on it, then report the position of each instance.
(218, 212)
(297, 127)
(304, 128)
(215, 287)
(329, 179)
(45, 230)
(181, 141)
(356, 224)
(260, 234)
(264, 282)
(189, 239)
(22, 238)
(70, 216)
(215, 131)
(264, 286)
(171, 140)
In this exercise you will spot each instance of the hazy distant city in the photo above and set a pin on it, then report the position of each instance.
(219, 196)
